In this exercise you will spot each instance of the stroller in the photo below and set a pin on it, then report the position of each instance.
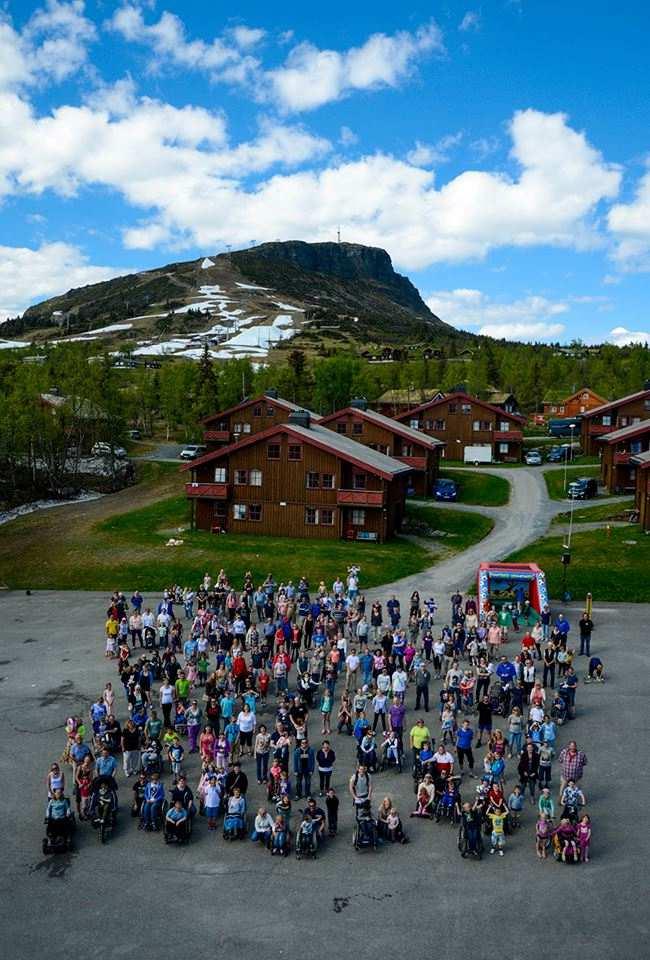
(364, 835)
(102, 810)
(470, 840)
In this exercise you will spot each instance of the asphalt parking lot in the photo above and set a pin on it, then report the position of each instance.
(136, 896)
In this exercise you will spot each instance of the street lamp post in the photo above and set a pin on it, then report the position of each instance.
(572, 427)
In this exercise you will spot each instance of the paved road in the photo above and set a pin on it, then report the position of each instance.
(137, 897)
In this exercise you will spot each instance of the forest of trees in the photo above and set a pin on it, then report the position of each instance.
(170, 401)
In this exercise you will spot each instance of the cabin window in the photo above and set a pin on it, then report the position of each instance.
(313, 481)
(439, 425)
(359, 481)
(341, 428)
(255, 511)
(273, 451)
(607, 420)
(220, 475)
(414, 424)
(270, 411)
(504, 426)
(327, 481)
(357, 428)
(311, 516)
(241, 477)
(327, 518)
(255, 478)
(295, 451)
(465, 408)
(257, 411)
(239, 511)
(358, 518)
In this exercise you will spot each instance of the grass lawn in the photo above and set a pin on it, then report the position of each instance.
(604, 511)
(482, 489)
(555, 479)
(462, 529)
(612, 568)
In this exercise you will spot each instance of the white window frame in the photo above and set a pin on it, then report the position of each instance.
(503, 447)
(504, 426)
(241, 483)
(239, 511)
(358, 518)
(255, 477)
(314, 511)
(221, 475)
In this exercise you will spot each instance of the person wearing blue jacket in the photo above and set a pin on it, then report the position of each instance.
(506, 671)
(303, 768)
(154, 797)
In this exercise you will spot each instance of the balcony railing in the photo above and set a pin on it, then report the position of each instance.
(622, 458)
(360, 498)
(216, 436)
(215, 491)
(598, 429)
(417, 463)
(515, 436)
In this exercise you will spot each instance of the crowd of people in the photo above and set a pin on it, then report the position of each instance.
(225, 694)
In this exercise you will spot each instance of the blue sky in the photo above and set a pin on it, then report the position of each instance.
(498, 150)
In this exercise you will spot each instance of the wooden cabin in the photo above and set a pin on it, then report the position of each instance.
(460, 420)
(298, 479)
(249, 417)
(618, 449)
(578, 403)
(392, 402)
(418, 450)
(642, 502)
(612, 416)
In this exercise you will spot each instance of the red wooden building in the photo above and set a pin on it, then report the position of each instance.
(611, 416)
(578, 403)
(248, 417)
(642, 464)
(374, 430)
(460, 420)
(298, 479)
(618, 449)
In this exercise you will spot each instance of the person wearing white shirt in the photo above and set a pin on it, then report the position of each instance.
(352, 670)
(400, 679)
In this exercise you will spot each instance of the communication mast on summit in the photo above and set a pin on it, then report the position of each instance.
(338, 235)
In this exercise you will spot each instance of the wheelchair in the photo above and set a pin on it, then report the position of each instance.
(58, 835)
(235, 826)
(364, 834)
(102, 810)
(180, 833)
(306, 843)
(392, 758)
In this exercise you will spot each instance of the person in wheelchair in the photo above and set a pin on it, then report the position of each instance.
(425, 804)
(138, 794)
(234, 823)
(307, 836)
(151, 758)
(177, 823)
(59, 821)
(391, 752)
(469, 835)
(152, 804)
(448, 804)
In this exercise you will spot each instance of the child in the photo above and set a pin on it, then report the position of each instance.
(583, 836)
(175, 756)
(447, 722)
(498, 819)
(326, 711)
(545, 803)
(332, 805)
(542, 836)
(263, 680)
(221, 751)
(231, 733)
(515, 805)
(212, 802)
(279, 837)
(394, 827)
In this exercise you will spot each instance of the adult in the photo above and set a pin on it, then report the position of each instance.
(325, 759)
(167, 695)
(585, 626)
(360, 787)
(303, 767)
(464, 738)
(528, 769)
(131, 743)
(418, 733)
(572, 764)
(246, 723)
(422, 681)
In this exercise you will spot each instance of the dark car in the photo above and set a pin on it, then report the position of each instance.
(584, 488)
(445, 490)
(557, 454)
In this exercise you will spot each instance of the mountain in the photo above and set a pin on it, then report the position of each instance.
(246, 303)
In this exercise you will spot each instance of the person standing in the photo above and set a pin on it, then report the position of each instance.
(325, 759)
(351, 670)
(464, 738)
(549, 665)
(303, 768)
(572, 764)
(422, 680)
(131, 741)
(585, 626)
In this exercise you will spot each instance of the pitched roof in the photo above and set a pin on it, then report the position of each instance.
(558, 396)
(416, 436)
(604, 407)
(626, 433)
(498, 396)
(404, 395)
(642, 460)
(317, 436)
(464, 397)
(261, 398)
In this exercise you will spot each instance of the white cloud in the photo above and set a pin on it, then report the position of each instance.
(471, 21)
(426, 154)
(622, 337)
(177, 166)
(611, 280)
(52, 46)
(311, 77)
(529, 318)
(347, 137)
(28, 275)
(484, 147)
(246, 37)
(630, 225)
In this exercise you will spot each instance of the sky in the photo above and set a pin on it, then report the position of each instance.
(499, 151)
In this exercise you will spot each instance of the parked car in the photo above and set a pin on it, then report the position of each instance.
(445, 490)
(102, 449)
(192, 450)
(557, 455)
(135, 435)
(533, 458)
(584, 488)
